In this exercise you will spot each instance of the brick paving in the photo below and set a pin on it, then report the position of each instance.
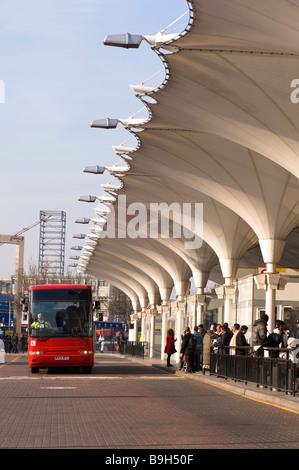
(128, 405)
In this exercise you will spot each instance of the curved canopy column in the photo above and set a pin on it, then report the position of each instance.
(272, 251)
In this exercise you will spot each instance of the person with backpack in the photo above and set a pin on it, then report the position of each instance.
(188, 348)
(278, 338)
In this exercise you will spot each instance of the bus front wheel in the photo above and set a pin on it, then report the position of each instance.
(34, 370)
(87, 369)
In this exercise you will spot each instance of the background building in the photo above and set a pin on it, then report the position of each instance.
(52, 242)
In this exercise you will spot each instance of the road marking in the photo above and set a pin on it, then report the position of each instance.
(13, 360)
(58, 388)
(256, 399)
(95, 377)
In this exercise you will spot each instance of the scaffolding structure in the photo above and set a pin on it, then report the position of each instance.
(52, 242)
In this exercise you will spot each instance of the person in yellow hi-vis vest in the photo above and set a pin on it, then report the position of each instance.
(40, 323)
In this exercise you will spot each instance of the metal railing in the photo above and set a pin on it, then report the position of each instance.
(133, 348)
(275, 373)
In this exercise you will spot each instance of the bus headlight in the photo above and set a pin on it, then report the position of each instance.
(32, 353)
(85, 352)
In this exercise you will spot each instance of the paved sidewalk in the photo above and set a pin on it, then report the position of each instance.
(249, 390)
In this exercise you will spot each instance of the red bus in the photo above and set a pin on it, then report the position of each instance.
(60, 330)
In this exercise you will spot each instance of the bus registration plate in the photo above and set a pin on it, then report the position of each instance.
(61, 358)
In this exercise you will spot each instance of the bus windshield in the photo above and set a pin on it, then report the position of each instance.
(60, 313)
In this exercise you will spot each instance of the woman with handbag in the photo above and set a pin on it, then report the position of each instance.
(169, 348)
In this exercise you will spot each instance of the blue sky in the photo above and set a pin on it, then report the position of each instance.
(59, 77)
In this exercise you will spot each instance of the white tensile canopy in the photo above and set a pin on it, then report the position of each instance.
(223, 132)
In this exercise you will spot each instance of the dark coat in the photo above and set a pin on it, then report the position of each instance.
(185, 342)
(259, 334)
(222, 342)
(241, 341)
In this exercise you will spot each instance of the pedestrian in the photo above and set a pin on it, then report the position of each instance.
(201, 330)
(188, 349)
(232, 344)
(198, 355)
(120, 342)
(101, 342)
(278, 338)
(40, 322)
(223, 342)
(170, 346)
(213, 329)
(229, 331)
(206, 346)
(297, 332)
(217, 333)
(22, 344)
(241, 341)
(14, 343)
(259, 334)
(8, 344)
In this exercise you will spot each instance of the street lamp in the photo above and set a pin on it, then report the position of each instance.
(133, 41)
(82, 221)
(105, 198)
(112, 123)
(113, 170)
(87, 198)
(131, 121)
(128, 41)
(107, 123)
(98, 170)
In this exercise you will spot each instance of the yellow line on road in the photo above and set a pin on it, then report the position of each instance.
(13, 360)
(256, 399)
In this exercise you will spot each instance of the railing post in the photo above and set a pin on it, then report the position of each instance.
(294, 378)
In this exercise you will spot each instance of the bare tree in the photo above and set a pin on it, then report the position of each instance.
(33, 276)
(120, 306)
